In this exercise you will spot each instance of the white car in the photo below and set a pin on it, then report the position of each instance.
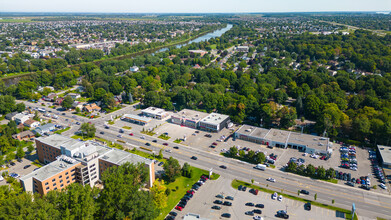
(257, 217)
(274, 196)
(383, 186)
(271, 179)
(142, 137)
(279, 198)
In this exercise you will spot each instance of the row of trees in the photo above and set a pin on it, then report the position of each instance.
(311, 171)
(250, 156)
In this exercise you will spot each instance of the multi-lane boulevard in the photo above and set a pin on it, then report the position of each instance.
(369, 204)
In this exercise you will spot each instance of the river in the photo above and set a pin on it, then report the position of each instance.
(206, 37)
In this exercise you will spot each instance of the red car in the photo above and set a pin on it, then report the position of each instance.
(323, 157)
(191, 192)
(214, 143)
(179, 208)
(131, 134)
(165, 144)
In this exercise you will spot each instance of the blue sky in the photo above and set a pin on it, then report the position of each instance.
(193, 6)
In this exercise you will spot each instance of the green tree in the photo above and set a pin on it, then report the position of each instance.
(172, 169)
(310, 170)
(30, 148)
(20, 152)
(88, 130)
(186, 169)
(260, 157)
(233, 151)
(292, 166)
(159, 194)
(67, 102)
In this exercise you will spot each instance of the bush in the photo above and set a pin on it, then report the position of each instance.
(168, 191)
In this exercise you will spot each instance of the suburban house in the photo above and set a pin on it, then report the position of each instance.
(74, 95)
(11, 116)
(242, 49)
(77, 104)
(31, 123)
(44, 129)
(134, 69)
(59, 100)
(50, 97)
(201, 52)
(24, 135)
(21, 118)
(91, 108)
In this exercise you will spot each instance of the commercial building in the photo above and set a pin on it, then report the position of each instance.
(154, 112)
(69, 160)
(24, 135)
(21, 118)
(285, 139)
(31, 123)
(188, 118)
(384, 155)
(142, 120)
(214, 122)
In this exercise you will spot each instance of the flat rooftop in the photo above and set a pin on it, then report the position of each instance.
(189, 114)
(137, 118)
(253, 131)
(311, 141)
(214, 118)
(153, 110)
(50, 170)
(276, 135)
(57, 140)
(119, 157)
(385, 152)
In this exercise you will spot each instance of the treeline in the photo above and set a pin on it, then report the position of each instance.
(311, 171)
(120, 198)
(369, 21)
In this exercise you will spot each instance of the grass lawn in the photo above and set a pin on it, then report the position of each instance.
(335, 181)
(127, 127)
(164, 137)
(178, 141)
(213, 46)
(150, 133)
(111, 122)
(183, 184)
(235, 184)
(81, 137)
(60, 131)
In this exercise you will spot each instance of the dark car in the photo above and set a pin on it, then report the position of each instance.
(176, 147)
(226, 215)
(260, 206)
(63, 114)
(27, 166)
(227, 203)
(229, 197)
(223, 167)
(249, 204)
(282, 215)
(20, 160)
(121, 131)
(161, 163)
(170, 217)
(216, 207)
(12, 164)
(249, 213)
(220, 196)
(304, 192)
(102, 132)
(194, 158)
(240, 187)
(244, 189)
(307, 206)
(154, 141)
(148, 144)
(257, 211)
(173, 213)
(350, 184)
(165, 144)
(218, 202)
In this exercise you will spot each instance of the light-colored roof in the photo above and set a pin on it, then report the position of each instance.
(276, 135)
(50, 170)
(137, 118)
(311, 141)
(154, 111)
(57, 140)
(253, 131)
(189, 114)
(45, 127)
(214, 118)
(119, 157)
(385, 152)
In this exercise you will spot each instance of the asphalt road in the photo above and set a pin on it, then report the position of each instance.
(368, 204)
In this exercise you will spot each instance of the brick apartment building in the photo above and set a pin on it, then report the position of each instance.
(69, 160)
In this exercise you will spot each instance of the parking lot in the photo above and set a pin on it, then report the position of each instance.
(203, 200)
(19, 167)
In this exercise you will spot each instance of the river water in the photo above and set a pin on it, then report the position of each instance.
(206, 37)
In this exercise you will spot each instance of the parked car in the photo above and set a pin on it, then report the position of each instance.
(218, 202)
(27, 166)
(226, 215)
(282, 214)
(257, 211)
(220, 196)
(307, 206)
(260, 206)
(226, 203)
(240, 187)
(249, 204)
(216, 207)
(279, 198)
(274, 195)
(173, 213)
(229, 197)
(251, 213)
